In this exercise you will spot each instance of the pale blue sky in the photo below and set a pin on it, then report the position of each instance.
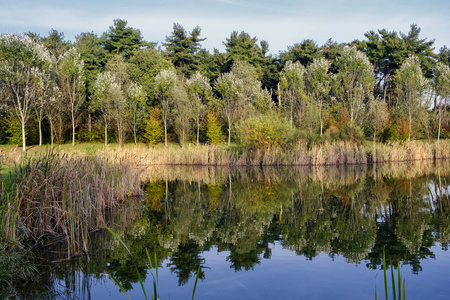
(282, 23)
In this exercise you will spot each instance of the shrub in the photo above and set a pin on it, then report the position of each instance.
(351, 132)
(265, 131)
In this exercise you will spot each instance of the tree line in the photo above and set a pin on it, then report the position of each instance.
(119, 87)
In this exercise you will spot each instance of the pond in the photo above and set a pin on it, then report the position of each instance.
(262, 233)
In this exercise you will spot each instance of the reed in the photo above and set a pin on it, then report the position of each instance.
(394, 285)
(64, 196)
(326, 154)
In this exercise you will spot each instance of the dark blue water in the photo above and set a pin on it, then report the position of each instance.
(271, 234)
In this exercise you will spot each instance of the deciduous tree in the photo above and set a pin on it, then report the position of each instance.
(164, 88)
(354, 81)
(71, 78)
(200, 93)
(291, 90)
(410, 84)
(21, 58)
(229, 88)
(318, 84)
(441, 85)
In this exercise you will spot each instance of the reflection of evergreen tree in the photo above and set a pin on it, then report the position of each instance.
(185, 262)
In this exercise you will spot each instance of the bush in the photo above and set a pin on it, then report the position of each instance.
(265, 131)
(351, 132)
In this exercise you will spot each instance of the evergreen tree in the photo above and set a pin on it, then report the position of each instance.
(241, 46)
(120, 39)
(181, 47)
(305, 53)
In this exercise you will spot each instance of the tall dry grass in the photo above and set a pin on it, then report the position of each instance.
(63, 195)
(336, 153)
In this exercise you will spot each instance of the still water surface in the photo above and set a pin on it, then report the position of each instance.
(272, 233)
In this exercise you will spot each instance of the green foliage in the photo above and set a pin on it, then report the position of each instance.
(354, 82)
(214, 133)
(154, 130)
(14, 131)
(241, 46)
(55, 43)
(120, 39)
(266, 132)
(304, 52)
(16, 263)
(4, 125)
(94, 56)
(181, 48)
(143, 67)
(291, 93)
(211, 65)
(444, 55)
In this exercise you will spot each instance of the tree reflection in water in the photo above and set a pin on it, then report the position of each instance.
(352, 212)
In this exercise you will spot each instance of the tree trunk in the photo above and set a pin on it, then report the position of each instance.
(40, 131)
(134, 131)
(229, 133)
(51, 131)
(165, 132)
(410, 125)
(198, 132)
(73, 133)
(374, 148)
(106, 135)
(439, 135)
(134, 127)
(24, 146)
(321, 121)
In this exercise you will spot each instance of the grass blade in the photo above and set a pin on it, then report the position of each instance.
(156, 269)
(385, 276)
(196, 279)
(404, 290)
(132, 259)
(393, 281)
(399, 282)
(120, 286)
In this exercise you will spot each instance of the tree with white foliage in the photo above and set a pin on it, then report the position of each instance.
(164, 88)
(441, 85)
(43, 82)
(200, 92)
(410, 84)
(354, 81)
(105, 88)
(71, 77)
(292, 86)
(21, 58)
(53, 110)
(136, 105)
(229, 87)
(318, 84)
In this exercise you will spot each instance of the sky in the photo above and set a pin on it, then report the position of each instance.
(282, 23)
